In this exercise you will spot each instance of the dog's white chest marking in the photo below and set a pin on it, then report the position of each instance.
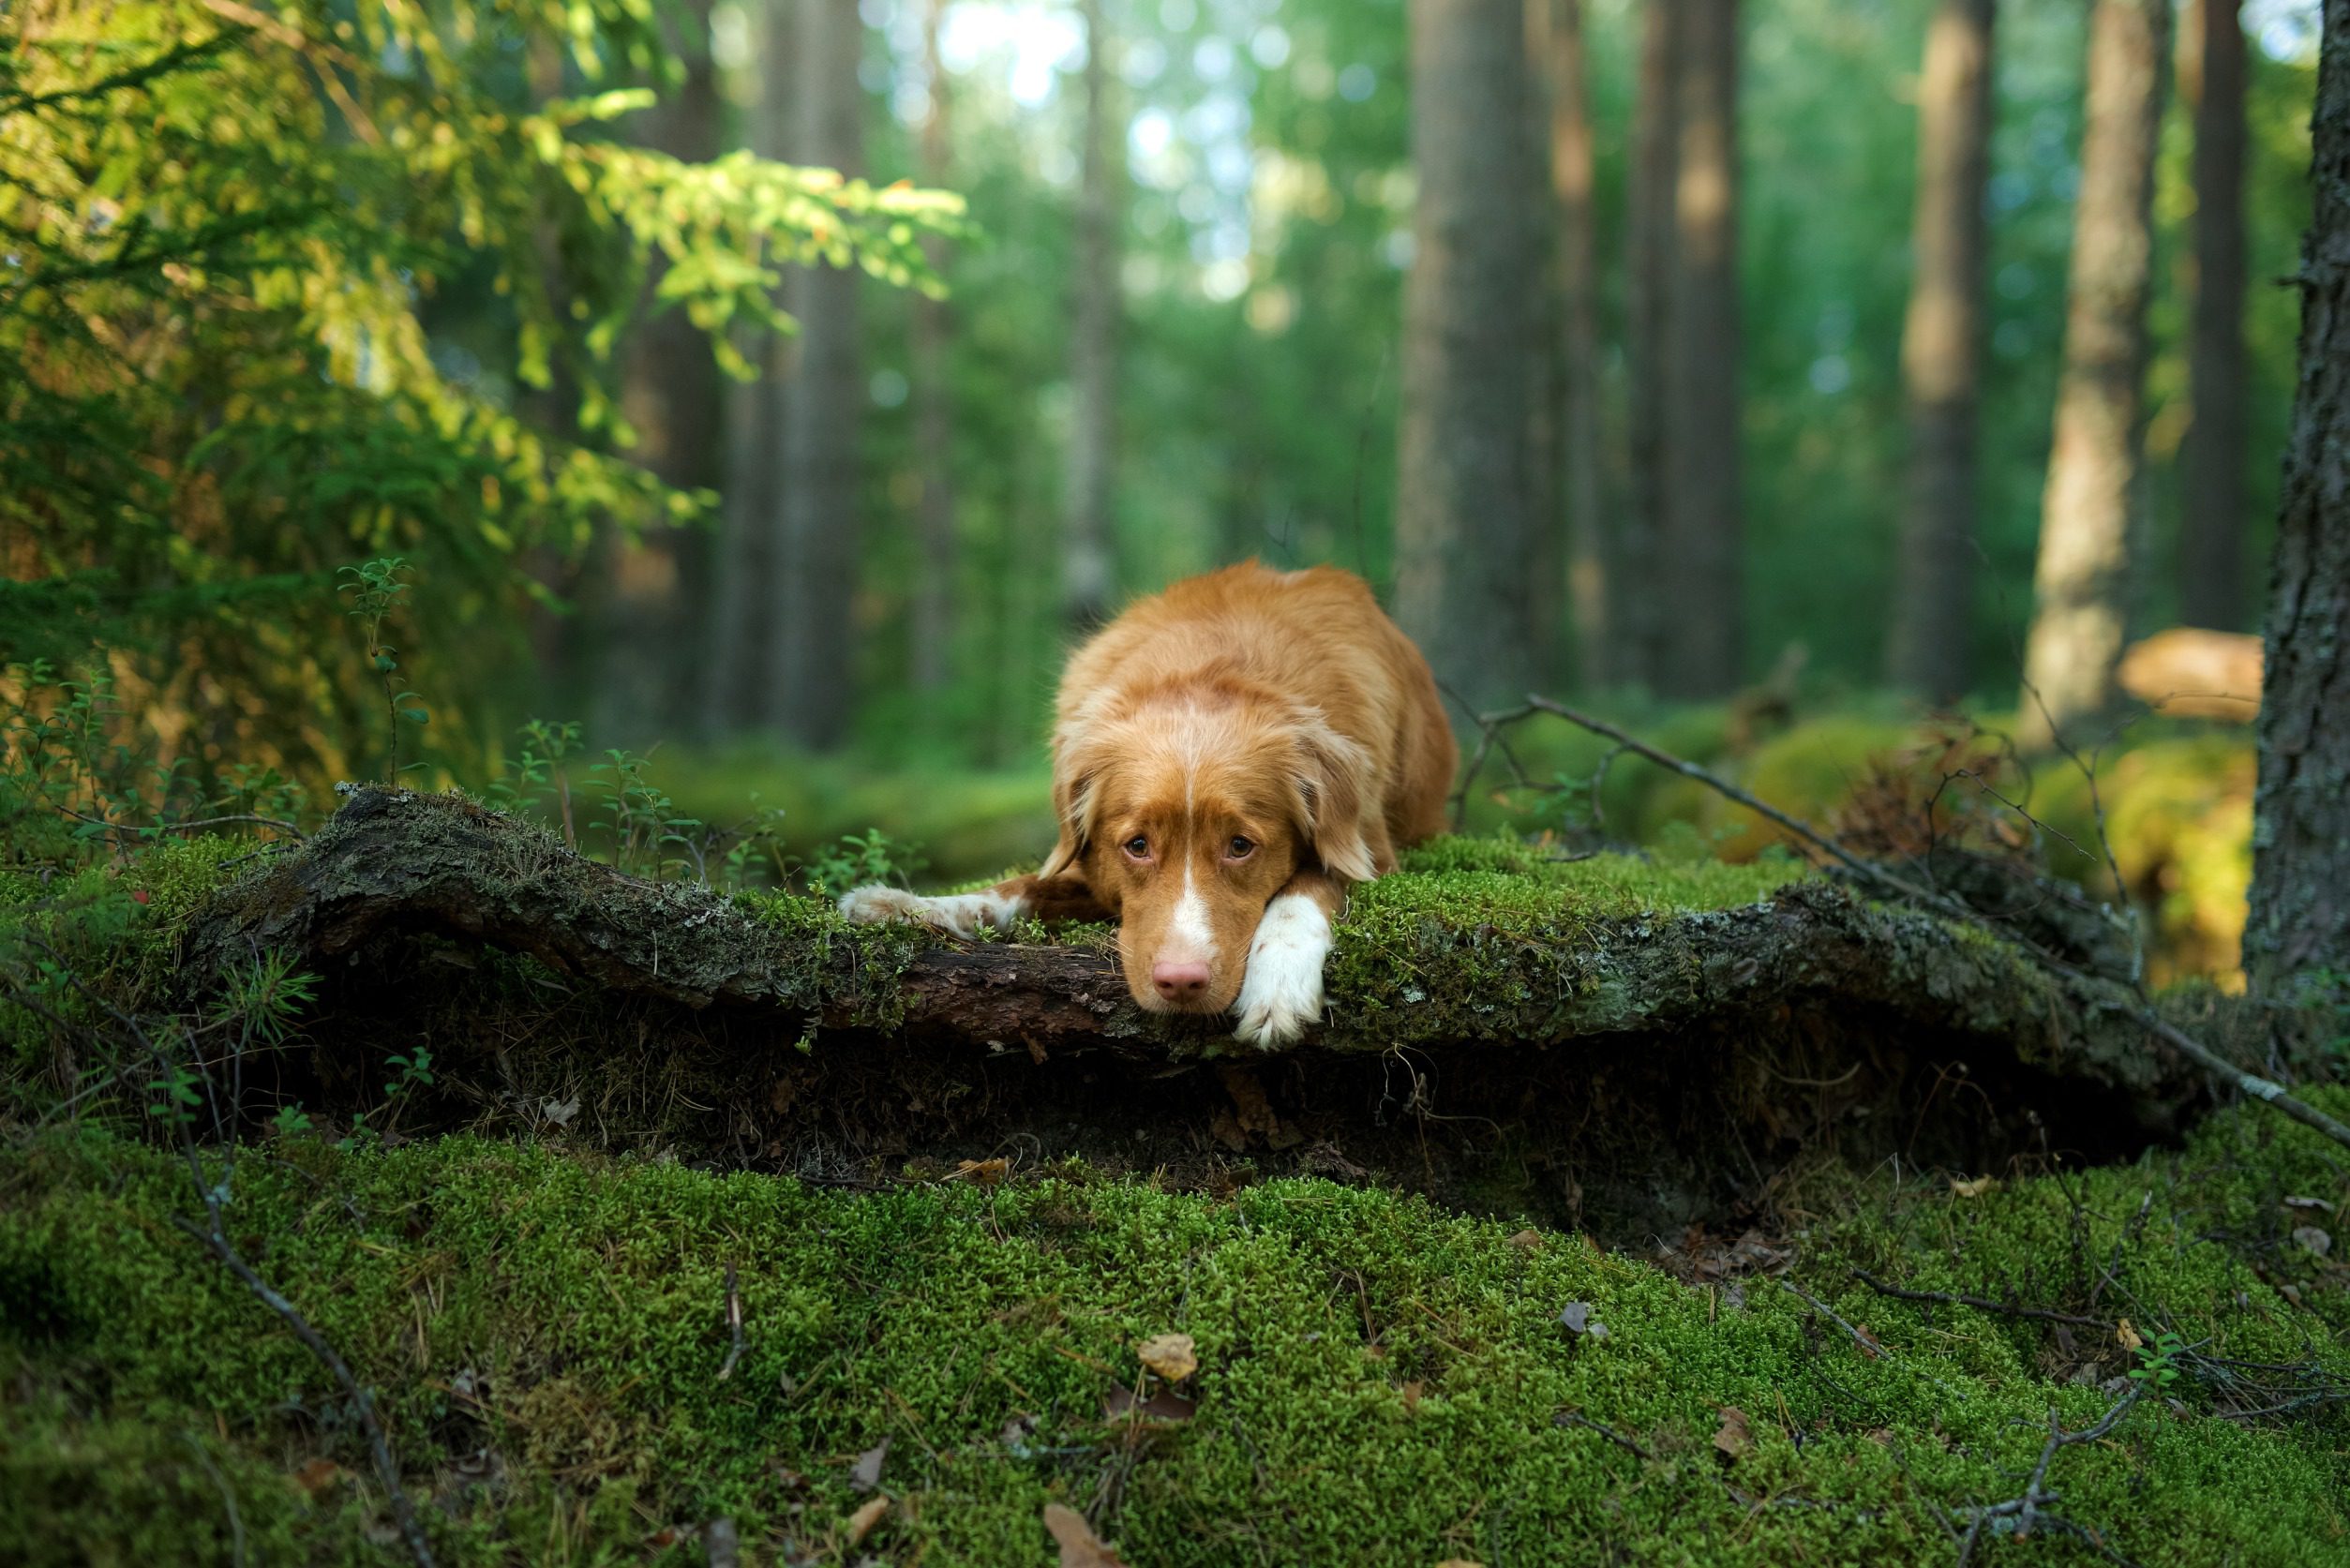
(962, 913)
(1281, 993)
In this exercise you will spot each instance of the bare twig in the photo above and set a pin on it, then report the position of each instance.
(1983, 1304)
(2026, 1511)
(1576, 1418)
(734, 1327)
(286, 828)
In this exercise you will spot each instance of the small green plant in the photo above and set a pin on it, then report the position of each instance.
(2158, 1363)
(412, 1069)
(756, 844)
(377, 589)
(546, 747)
(641, 822)
(292, 1121)
(861, 858)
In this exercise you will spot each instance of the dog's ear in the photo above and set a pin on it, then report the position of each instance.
(1330, 774)
(1078, 765)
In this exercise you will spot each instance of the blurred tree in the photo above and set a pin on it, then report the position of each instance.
(1463, 529)
(1941, 355)
(1700, 570)
(230, 230)
(2086, 531)
(932, 625)
(2299, 920)
(1649, 233)
(1088, 567)
(811, 691)
(2211, 546)
(1566, 75)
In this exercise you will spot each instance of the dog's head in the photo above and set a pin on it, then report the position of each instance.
(1187, 815)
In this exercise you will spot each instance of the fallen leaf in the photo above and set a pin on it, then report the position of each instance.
(1459, 1563)
(1079, 1546)
(1576, 1319)
(2131, 1338)
(1871, 1346)
(2314, 1239)
(987, 1173)
(1734, 1438)
(1173, 1356)
(560, 1112)
(866, 1474)
(1526, 1240)
(1975, 1188)
(2319, 1204)
(1412, 1397)
(860, 1523)
(318, 1475)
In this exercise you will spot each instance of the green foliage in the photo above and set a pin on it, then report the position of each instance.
(859, 860)
(229, 229)
(1379, 1383)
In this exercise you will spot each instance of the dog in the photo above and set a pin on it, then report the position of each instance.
(1228, 756)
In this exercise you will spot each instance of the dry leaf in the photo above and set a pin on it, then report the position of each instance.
(1734, 1438)
(1526, 1240)
(318, 1475)
(1412, 1397)
(1870, 1345)
(1120, 1403)
(866, 1474)
(2314, 1239)
(1459, 1563)
(560, 1112)
(1576, 1319)
(860, 1523)
(1173, 1356)
(1079, 1546)
(2308, 1203)
(1975, 1188)
(987, 1173)
(2130, 1337)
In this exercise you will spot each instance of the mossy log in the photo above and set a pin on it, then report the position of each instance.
(394, 861)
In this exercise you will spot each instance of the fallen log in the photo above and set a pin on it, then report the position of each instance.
(1535, 989)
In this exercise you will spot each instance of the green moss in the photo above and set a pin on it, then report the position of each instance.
(1379, 1382)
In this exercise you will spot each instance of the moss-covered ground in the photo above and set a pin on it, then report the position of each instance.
(1379, 1382)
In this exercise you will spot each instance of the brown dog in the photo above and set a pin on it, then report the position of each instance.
(1227, 756)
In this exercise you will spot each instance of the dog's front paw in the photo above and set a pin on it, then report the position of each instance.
(1280, 996)
(959, 914)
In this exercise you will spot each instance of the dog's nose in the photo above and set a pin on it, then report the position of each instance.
(1179, 982)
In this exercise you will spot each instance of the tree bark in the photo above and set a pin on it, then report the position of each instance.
(674, 394)
(934, 403)
(1648, 266)
(1089, 561)
(1941, 355)
(2299, 920)
(1702, 573)
(1464, 528)
(1566, 74)
(811, 689)
(2082, 582)
(2212, 537)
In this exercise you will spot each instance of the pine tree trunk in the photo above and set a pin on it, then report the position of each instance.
(811, 689)
(1463, 530)
(2084, 525)
(1648, 264)
(2300, 892)
(1566, 74)
(934, 404)
(1088, 561)
(2211, 532)
(673, 393)
(744, 584)
(1702, 571)
(1941, 355)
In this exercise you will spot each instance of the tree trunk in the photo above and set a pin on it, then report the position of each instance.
(1566, 74)
(934, 404)
(2300, 891)
(2085, 523)
(1463, 532)
(1941, 354)
(1702, 571)
(1088, 561)
(743, 586)
(2211, 532)
(811, 690)
(1648, 266)
(673, 393)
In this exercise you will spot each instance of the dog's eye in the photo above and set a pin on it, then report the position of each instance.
(1240, 849)
(1139, 847)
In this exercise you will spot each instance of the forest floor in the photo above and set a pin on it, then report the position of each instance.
(1582, 1234)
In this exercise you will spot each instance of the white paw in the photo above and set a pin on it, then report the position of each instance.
(961, 913)
(1281, 995)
